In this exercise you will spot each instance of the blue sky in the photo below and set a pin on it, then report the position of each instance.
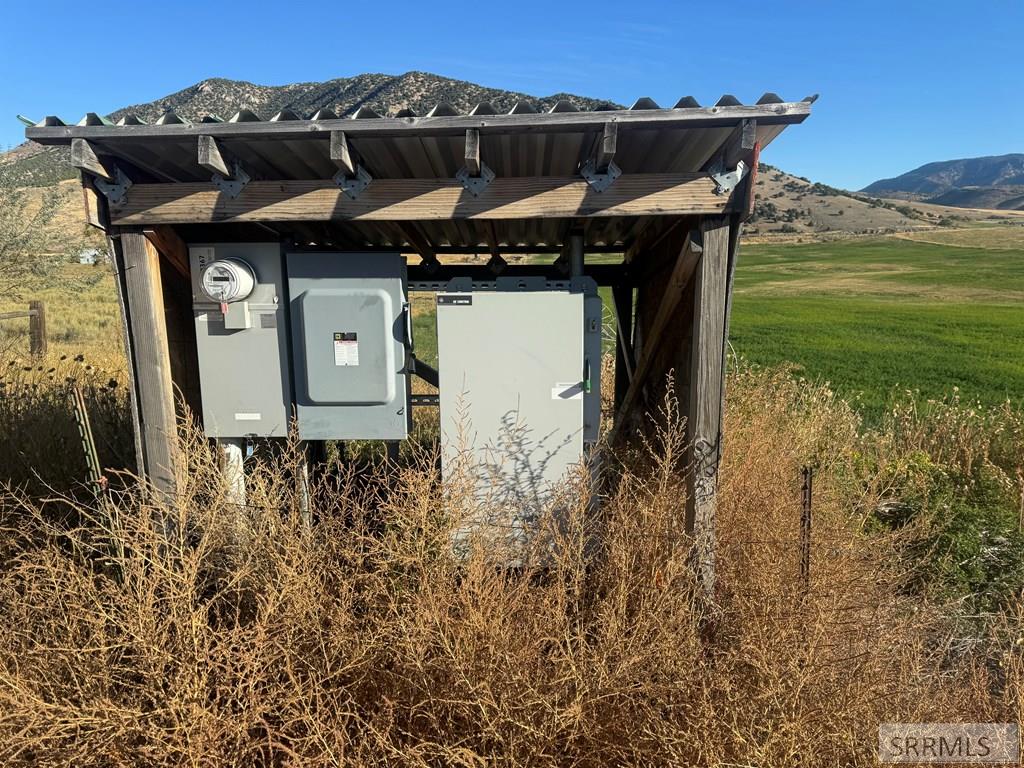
(901, 83)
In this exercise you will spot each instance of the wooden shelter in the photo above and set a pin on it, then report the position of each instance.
(667, 188)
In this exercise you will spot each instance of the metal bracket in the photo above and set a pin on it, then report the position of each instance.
(233, 186)
(599, 181)
(352, 186)
(475, 184)
(116, 190)
(726, 181)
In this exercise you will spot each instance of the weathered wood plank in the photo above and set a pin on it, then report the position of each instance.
(548, 122)
(151, 368)
(606, 145)
(473, 151)
(85, 158)
(662, 194)
(341, 155)
(706, 389)
(212, 158)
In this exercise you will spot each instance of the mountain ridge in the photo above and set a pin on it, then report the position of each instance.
(989, 181)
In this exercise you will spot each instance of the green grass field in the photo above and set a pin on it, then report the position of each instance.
(873, 317)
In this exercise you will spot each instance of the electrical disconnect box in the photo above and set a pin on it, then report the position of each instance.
(237, 299)
(351, 332)
(520, 369)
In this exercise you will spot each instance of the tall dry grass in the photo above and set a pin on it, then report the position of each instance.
(40, 446)
(247, 638)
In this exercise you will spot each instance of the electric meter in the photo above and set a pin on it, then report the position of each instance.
(227, 280)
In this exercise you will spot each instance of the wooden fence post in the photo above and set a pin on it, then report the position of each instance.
(37, 328)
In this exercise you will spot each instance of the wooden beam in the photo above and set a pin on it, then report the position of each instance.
(473, 151)
(455, 125)
(85, 157)
(682, 271)
(341, 155)
(151, 370)
(655, 194)
(212, 158)
(704, 411)
(16, 315)
(173, 248)
(606, 144)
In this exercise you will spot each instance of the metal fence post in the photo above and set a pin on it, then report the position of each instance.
(807, 489)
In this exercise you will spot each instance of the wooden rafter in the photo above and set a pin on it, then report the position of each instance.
(212, 158)
(85, 157)
(606, 145)
(472, 154)
(341, 153)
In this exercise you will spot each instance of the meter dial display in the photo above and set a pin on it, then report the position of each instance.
(227, 280)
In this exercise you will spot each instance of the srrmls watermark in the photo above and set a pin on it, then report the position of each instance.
(964, 743)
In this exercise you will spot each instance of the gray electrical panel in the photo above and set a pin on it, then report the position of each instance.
(350, 339)
(242, 346)
(520, 396)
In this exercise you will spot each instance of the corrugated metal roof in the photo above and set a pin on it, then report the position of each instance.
(650, 139)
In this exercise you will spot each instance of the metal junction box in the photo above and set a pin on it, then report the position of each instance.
(350, 339)
(520, 372)
(241, 343)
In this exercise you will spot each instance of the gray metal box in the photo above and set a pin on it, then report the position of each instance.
(350, 332)
(519, 390)
(243, 367)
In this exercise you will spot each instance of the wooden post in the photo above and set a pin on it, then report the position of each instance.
(147, 329)
(37, 328)
(706, 390)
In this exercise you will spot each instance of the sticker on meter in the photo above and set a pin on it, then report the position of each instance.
(346, 349)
